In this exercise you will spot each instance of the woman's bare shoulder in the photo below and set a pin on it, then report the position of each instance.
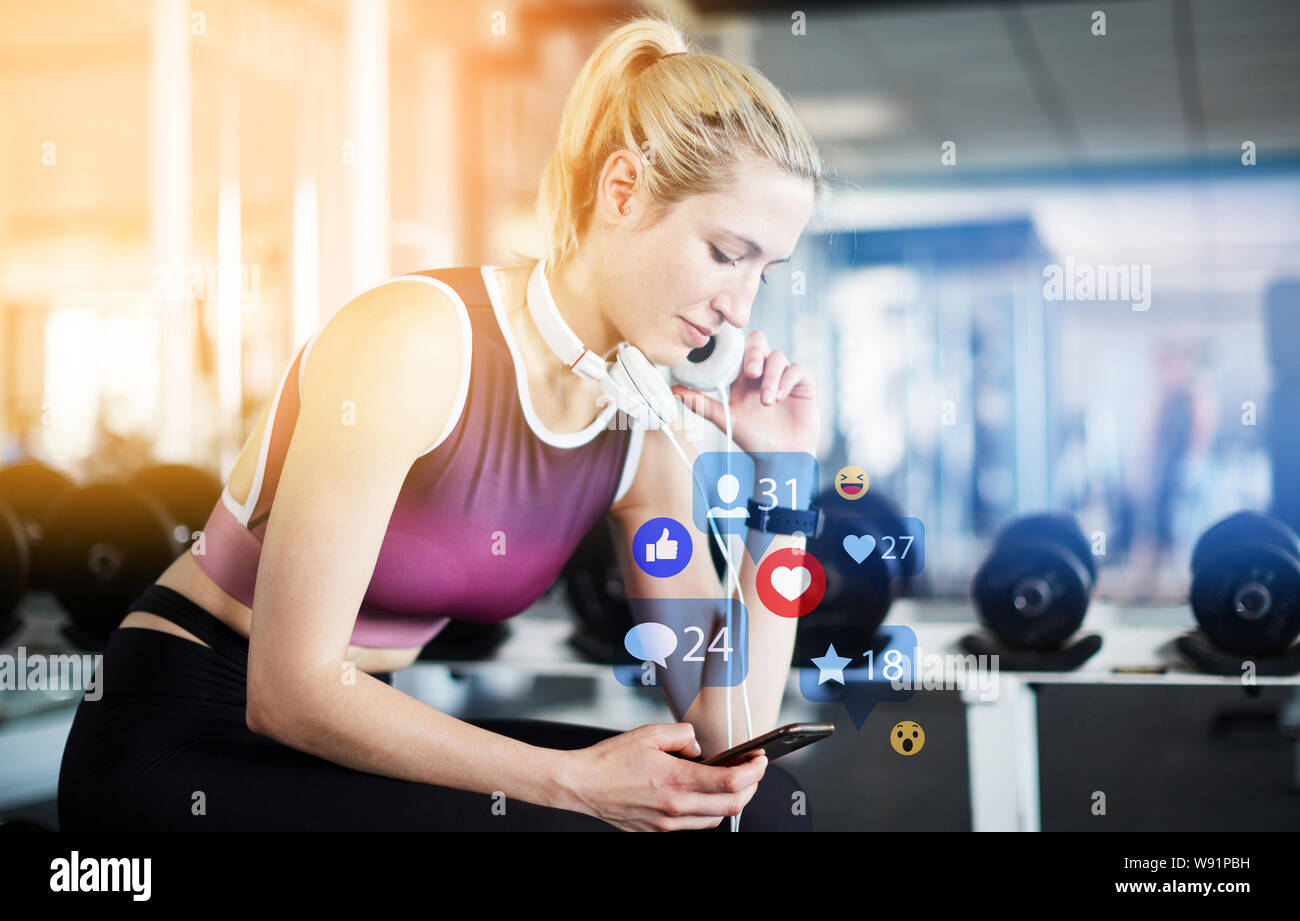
(402, 349)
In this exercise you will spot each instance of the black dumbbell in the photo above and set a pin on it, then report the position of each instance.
(465, 641)
(107, 541)
(15, 568)
(594, 584)
(188, 493)
(1033, 589)
(861, 593)
(1246, 584)
(30, 489)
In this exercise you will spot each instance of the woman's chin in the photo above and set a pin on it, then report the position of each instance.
(666, 356)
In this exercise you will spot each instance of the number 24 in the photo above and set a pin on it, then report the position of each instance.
(713, 647)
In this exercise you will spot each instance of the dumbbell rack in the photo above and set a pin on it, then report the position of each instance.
(1002, 734)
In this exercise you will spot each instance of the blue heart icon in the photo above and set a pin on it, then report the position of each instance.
(859, 546)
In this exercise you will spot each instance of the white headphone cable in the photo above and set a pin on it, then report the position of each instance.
(732, 580)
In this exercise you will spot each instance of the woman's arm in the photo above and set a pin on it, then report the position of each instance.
(377, 391)
(662, 487)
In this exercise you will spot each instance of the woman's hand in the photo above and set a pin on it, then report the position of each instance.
(633, 782)
(773, 403)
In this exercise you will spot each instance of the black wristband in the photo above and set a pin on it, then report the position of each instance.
(777, 520)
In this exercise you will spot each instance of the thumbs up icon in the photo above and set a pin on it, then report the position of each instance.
(663, 549)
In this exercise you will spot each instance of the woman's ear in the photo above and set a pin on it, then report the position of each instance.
(616, 194)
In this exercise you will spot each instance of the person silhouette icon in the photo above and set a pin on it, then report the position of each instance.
(728, 488)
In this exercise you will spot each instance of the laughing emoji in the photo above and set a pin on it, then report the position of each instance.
(851, 482)
(907, 738)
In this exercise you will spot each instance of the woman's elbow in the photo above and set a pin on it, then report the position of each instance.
(270, 709)
(259, 714)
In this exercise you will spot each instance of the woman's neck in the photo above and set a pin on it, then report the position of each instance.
(566, 402)
(575, 289)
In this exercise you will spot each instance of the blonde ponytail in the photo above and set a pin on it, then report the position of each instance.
(691, 115)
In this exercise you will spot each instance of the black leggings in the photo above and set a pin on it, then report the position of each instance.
(167, 740)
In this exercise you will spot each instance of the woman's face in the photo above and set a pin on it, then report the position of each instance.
(674, 278)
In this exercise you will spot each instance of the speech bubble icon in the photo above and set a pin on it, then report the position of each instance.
(704, 639)
(651, 643)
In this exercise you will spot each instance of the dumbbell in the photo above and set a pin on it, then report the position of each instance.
(30, 489)
(1246, 584)
(107, 541)
(27, 490)
(860, 593)
(1033, 589)
(597, 597)
(465, 641)
(15, 568)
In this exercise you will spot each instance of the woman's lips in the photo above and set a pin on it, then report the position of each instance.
(694, 334)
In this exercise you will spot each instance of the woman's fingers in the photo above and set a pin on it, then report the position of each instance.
(772, 371)
(692, 823)
(712, 805)
(704, 406)
(789, 380)
(756, 349)
(707, 778)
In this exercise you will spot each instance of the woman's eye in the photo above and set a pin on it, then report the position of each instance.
(719, 256)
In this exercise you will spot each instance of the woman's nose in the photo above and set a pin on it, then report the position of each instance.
(735, 309)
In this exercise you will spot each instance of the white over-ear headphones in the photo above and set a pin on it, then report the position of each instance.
(631, 381)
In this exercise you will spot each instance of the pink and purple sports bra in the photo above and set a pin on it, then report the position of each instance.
(486, 517)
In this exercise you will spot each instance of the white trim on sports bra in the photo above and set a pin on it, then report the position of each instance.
(462, 314)
(244, 511)
(555, 439)
(631, 463)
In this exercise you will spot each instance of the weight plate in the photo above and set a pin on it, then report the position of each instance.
(15, 567)
(885, 517)
(188, 493)
(1247, 598)
(1031, 595)
(1239, 528)
(594, 584)
(31, 489)
(1052, 528)
(859, 594)
(106, 543)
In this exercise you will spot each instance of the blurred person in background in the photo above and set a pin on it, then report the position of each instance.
(1178, 429)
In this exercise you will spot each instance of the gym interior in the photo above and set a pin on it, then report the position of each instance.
(1052, 312)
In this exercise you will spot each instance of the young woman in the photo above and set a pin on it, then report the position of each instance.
(427, 421)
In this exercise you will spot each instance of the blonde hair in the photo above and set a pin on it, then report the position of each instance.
(689, 114)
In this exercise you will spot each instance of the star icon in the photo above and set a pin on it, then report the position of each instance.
(831, 666)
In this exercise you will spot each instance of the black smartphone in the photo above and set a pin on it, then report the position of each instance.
(778, 742)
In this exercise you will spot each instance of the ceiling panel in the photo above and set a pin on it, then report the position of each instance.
(1030, 85)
